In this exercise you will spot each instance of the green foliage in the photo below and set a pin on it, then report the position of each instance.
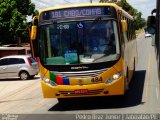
(13, 15)
(35, 13)
(104, 1)
(139, 22)
(25, 7)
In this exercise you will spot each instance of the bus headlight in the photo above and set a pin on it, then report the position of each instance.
(47, 80)
(50, 82)
(114, 77)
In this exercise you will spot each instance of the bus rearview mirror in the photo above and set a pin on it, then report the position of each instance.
(124, 25)
(151, 21)
(151, 24)
(33, 32)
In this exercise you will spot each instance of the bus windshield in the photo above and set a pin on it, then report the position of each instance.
(79, 42)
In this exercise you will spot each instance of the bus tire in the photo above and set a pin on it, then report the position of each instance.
(126, 86)
(133, 76)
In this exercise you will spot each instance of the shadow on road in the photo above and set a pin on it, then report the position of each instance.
(133, 97)
(18, 79)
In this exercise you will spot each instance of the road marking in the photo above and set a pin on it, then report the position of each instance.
(157, 93)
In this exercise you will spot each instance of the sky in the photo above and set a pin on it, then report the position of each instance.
(144, 6)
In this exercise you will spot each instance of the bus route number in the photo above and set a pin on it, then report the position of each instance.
(96, 79)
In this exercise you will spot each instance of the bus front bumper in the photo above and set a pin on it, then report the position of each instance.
(68, 91)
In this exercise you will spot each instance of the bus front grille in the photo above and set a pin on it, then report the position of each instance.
(72, 93)
(81, 74)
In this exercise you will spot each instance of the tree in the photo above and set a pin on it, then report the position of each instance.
(104, 1)
(13, 15)
(138, 20)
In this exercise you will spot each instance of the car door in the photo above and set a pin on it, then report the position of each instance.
(3, 68)
(13, 67)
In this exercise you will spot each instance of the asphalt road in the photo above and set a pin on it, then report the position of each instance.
(25, 97)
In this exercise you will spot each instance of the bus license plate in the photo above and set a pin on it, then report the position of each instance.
(81, 91)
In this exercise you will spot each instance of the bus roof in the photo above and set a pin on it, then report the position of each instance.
(88, 5)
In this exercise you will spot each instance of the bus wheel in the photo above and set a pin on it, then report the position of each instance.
(133, 76)
(126, 86)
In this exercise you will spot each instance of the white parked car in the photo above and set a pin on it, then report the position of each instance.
(22, 66)
(147, 35)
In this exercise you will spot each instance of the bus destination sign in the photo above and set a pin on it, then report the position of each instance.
(76, 12)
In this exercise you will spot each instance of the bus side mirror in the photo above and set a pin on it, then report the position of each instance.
(124, 25)
(151, 24)
(33, 33)
(33, 37)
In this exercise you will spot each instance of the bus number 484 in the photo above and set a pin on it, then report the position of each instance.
(96, 79)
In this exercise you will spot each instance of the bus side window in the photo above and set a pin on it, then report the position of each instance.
(124, 33)
(122, 36)
(121, 33)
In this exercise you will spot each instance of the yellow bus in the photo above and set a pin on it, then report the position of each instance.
(153, 27)
(84, 50)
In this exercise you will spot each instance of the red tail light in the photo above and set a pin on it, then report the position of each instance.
(29, 61)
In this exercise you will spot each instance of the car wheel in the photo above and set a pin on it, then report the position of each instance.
(24, 75)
